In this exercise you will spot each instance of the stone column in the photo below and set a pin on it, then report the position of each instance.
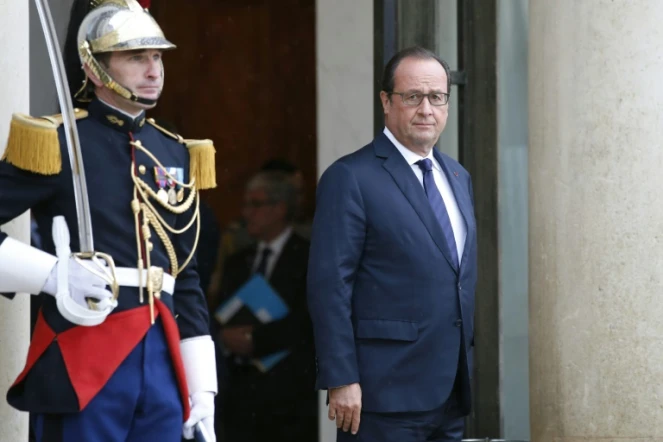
(14, 315)
(596, 220)
(344, 52)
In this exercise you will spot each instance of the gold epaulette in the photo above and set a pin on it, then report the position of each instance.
(201, 158)
(33, 143)
(201, 162)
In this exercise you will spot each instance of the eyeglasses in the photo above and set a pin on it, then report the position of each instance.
(256, 204)
(414, 98)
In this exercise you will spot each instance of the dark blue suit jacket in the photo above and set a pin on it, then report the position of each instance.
(389, 310)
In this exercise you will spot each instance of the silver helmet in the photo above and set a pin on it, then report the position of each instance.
(117, 25)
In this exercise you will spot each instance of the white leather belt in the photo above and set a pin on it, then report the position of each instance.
(129, 277)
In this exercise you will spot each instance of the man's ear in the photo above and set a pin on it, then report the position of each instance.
(386, 101)
(93, 78)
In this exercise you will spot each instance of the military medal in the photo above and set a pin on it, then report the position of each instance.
(162, 196)
(178, 177)
(162, 184)
(167, 180)
(172, 196)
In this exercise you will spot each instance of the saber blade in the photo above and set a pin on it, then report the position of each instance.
(86, 243)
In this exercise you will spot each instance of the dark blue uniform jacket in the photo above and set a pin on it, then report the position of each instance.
(67, 364)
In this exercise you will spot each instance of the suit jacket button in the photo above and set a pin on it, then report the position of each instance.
(458, 322)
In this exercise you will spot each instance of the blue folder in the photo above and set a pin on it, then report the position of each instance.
(265, 305)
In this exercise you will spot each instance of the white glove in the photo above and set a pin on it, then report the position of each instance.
(202, 409)
(83, 283)
(199, 359)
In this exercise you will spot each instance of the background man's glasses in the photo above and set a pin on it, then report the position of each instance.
(256, 204)
(414, 98)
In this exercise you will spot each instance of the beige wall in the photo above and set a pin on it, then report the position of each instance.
(344, 32)
(14, 315)
(595, 254)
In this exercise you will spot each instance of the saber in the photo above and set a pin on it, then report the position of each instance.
(86, 242)
(72, 311)
(200, 433)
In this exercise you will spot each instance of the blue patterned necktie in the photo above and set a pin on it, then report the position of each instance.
(437, 204)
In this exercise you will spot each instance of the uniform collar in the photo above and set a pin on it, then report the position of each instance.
(115, 118)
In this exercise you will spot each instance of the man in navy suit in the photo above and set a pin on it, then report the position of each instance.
(392, 271)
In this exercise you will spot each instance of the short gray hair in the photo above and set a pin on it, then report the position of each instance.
(279, 189)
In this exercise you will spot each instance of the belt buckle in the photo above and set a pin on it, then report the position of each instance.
(155, 281)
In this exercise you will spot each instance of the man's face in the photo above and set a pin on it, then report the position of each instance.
(139, 71)
(261, 214)
(417, 127)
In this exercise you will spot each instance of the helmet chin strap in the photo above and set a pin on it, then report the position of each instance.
(136, 99)
(107, 80)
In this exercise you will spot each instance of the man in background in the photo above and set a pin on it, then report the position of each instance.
(279, 404)
(235, 237)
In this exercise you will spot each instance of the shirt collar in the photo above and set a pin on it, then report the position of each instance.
(277, 244)
(410, 156)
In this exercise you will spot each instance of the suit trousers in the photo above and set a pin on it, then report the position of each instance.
(140, 403)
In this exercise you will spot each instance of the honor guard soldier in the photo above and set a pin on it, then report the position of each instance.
(145, 369)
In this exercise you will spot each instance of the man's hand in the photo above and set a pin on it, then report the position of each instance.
(345, 407)
(83, 284)
(238, 340)
(202, 410)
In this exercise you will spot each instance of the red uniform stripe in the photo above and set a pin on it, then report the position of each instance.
(173, 339)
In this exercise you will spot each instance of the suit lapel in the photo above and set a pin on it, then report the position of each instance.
(249, 259)
(462, 199)
(282, 265)
(406, 180)
(287, 270)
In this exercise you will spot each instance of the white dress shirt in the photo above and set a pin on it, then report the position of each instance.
(276, 246)
(456, 218)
